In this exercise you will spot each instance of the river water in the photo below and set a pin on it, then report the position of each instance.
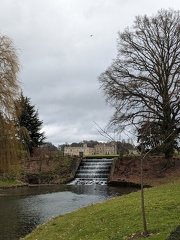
(22, 209)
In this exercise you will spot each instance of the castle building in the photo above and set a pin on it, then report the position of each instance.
(109, 148)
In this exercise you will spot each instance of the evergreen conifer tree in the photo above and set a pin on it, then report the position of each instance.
(29, 125)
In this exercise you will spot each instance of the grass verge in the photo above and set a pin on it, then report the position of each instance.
(117, 218)
(11, 183)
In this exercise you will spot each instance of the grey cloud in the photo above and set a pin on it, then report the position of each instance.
(61, 61)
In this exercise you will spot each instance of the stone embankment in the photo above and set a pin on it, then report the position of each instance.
(47, 170)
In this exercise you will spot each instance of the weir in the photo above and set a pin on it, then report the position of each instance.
(92, 171)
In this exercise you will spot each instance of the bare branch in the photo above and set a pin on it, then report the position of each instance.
(144, 79)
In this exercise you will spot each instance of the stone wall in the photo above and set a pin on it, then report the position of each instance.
(49, 170)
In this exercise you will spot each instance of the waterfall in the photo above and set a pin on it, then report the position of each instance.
(92, 171)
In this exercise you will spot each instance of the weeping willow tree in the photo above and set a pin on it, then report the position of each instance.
(9, 146)
(9, 91)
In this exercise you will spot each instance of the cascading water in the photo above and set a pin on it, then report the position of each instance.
(92, 171)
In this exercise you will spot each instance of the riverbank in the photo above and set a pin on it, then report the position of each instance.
(126, 171)
(118, 218)
(6, 183)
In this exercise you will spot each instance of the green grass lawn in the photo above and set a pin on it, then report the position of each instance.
(118, 218)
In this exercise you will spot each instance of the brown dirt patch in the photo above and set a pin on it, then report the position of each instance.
(128, 169)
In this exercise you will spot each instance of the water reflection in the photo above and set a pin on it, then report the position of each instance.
(22, 209)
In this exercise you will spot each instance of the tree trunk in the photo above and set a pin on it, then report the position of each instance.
(145, 232)
(169, 151)
(169, 163)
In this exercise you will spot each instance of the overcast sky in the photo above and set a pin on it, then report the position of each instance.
(63, 46)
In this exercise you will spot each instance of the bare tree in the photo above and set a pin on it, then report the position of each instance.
(9, 90)
(143, 82)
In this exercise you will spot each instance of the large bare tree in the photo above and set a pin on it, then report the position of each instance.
(143, 82)
(9, 90)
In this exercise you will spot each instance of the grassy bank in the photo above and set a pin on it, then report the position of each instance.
(117, 218)
(7, 183)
